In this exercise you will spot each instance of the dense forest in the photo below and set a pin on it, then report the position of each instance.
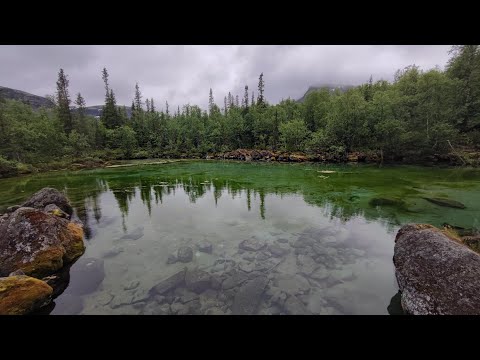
(419, 114)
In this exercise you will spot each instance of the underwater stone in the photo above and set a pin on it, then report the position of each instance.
(185, 254)
(252, 244)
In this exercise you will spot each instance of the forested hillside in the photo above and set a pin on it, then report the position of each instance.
(421, 113)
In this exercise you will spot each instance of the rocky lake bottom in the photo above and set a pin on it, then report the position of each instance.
(235, 238)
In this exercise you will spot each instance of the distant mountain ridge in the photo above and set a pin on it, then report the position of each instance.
(34, 101)
(37, 102)
(331, 87)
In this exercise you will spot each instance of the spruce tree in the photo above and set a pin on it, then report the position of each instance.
(166, 109)
(148, 105)
(81, 106)
(79, 123)
(226, 107)
(109, 116)
(63, 102)
(261, 86)
(237, 102)
(138, 98)
(245, 97)
(152, 107)
(210, 102)
(253, 98)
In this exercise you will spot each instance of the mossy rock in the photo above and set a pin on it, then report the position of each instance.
(37, 243)
(22, 294)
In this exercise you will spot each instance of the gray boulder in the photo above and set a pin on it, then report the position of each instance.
(48, 196)
(436, 274)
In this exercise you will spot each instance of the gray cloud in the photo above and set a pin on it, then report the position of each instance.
(184, 74)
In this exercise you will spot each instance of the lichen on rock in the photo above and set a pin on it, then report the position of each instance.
(21, 294)
(436, 273)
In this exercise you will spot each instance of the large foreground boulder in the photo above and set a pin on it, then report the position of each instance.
(436, 273)
(48, 196)
(22, 294)
(37, 243)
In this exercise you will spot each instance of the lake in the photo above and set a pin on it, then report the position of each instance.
(264, 238)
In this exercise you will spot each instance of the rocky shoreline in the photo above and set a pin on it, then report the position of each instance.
(371, 157)
(37, 241)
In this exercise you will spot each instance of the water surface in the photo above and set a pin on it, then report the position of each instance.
(335, 252)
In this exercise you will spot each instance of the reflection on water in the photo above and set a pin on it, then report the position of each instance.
(254, 238)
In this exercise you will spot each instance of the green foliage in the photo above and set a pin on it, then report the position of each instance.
(293, 135)
(123, 138)
(78, 143)
(419, 114)
(7, 168)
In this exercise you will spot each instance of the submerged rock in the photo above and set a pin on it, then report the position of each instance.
(172, 259)
(435, 273)
(248, 297)
(131, 285)
(293, 306)
(303, 241)
(48, 196)
(197, 280)
(86, 275)
(185, 254)
(277, 250)
(37, 243)
(214, 311)
(234, 280)
(252, 244)
(133, 235)
(386, 202)
(68, 305)
(112, 253)
(292, 284)
(185, 295)
(205, 246)
(21, 294)
(156, 309)
(169, 283)
(306, 264)
(446, 202)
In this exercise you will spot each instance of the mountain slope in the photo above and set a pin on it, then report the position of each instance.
(37, 102)
(34, 101)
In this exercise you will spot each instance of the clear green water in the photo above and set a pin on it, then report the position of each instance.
(137, 216)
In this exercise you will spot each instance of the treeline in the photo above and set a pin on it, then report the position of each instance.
(419, 114)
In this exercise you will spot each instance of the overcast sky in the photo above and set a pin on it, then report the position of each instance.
(184, 74)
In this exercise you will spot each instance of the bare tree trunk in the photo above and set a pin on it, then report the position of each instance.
(464, 163)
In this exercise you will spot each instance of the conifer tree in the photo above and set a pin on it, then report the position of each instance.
(210, 102)
(63, 102)
(245, 97)
(261, 86)
(152, 107)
